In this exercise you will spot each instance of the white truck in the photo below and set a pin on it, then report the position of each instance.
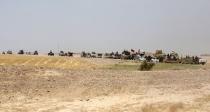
(202, 61)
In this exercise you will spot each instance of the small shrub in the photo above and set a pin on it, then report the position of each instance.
(146, 66)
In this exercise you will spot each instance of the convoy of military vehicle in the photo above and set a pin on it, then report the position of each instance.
(158, 57)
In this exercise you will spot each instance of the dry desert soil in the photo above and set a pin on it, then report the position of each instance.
(55, 87)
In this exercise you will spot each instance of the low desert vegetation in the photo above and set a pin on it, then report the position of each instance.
(82, 63)
(146, 66)
(134, 66)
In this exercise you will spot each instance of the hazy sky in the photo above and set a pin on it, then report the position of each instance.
(105, 25)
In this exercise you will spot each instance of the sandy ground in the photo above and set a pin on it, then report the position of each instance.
(37, 89)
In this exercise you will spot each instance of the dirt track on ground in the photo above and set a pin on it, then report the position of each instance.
(37, 89)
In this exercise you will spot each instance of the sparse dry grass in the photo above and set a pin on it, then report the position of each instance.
(133, 66)
(45, 61)
(83, 63)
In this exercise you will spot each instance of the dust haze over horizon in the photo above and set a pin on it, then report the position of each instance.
(105, 25)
